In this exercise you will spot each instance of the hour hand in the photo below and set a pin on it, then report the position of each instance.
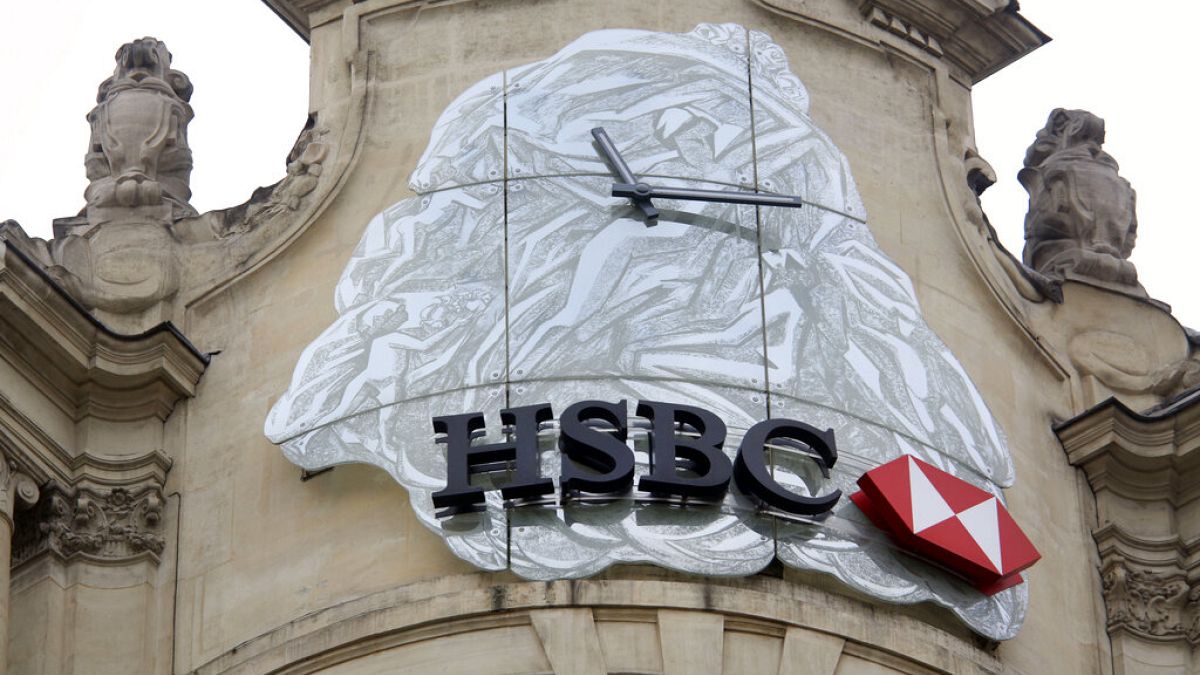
(636, 191)
(609, 149)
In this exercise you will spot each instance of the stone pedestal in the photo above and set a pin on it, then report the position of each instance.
(123, 265)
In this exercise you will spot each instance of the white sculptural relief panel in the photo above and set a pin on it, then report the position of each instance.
(575, 271)
(678, 103)
(511, 283)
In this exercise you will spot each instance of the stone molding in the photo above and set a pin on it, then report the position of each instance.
(295, 13)
(453, 605)
(908, 31)
(44, 460)
(106, 509)
(90, 507)
(1144, 469)
(978, 36)
(86, 368)
(1152, 456)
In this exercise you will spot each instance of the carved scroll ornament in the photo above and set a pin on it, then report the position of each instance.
(1156, 605)
(16, 489)
(117, 525)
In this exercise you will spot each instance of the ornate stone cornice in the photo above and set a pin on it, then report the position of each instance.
(1139, 456)
(76, 361)
(295, 12)
(908, 31)
(39, 456)
(1144, 469)
(100, 508)
(1164, 551)
(978, 36)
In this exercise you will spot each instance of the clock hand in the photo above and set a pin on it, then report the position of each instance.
(609, 149)
(644, 191)
(614, 158)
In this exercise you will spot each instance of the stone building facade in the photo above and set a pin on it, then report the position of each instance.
(163, 372)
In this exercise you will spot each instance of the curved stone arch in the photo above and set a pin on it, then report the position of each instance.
(825, 627)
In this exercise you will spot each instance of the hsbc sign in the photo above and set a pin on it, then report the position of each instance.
(686, 457)
(926, 511)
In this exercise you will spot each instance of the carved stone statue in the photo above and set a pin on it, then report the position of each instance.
(1081, 221)
(122, 257)
(139, 154)
(138, 253)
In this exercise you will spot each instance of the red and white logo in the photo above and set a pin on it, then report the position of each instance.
(947, 521)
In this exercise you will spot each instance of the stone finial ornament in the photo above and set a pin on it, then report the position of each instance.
(1081, 221)
(139, 155)
(138, 252)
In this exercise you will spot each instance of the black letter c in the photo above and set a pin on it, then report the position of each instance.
(752, 476)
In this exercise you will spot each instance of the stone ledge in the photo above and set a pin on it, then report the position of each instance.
(1138, 456)
(86, 368)
(978, 36)
(295, 13)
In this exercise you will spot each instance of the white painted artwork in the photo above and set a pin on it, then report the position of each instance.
(514, 277)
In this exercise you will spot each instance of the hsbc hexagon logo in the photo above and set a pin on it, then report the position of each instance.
(947, 521)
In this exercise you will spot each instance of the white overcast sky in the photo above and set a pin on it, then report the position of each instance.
(1129, 62)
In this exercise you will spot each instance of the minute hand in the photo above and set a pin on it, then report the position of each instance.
(609, 149)
(644, 191)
